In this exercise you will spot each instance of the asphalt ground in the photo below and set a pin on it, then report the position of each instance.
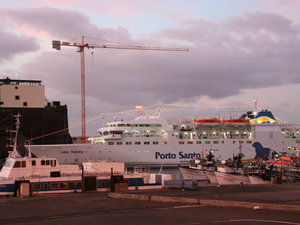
(286, 194)
(284, 197)
(167, 208)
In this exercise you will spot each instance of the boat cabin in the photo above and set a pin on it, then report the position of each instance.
(32, 167)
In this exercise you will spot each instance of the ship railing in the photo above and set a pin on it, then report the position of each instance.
(112, 136)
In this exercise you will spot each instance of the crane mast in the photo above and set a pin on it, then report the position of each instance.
(81, 47)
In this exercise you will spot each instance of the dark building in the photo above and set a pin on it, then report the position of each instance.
(38, 120)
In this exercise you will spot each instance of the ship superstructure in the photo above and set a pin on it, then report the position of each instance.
(156, 141)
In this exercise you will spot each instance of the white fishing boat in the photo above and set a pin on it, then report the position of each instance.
(231, 171)
(192, 174)
(255, 179)
(198, 167)
(231, 179)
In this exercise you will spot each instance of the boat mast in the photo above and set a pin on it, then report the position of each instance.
(255, 105)
(15, 153)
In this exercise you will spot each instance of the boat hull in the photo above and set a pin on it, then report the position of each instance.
(153, 155)
(211, 177)
(258, 180)
(43, 185)
(192, 174)
(231, 179)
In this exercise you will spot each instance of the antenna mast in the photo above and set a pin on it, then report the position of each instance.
(15, 153)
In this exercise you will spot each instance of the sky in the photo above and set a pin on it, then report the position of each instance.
(239, 51)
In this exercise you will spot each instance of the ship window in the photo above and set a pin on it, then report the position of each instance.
(119, 143)
(43, 162)
(71, 185)
(298, 141)
(190, 142)
(249, 142)
(36, 187)
(17, 97)
(33, 163)
(146, 143)
(207, 142)
(216, 142)
(54, 186)
(46, 186)
(23, 164)
(111, 143)
(16, 87)
(8, 164)
(101, 183)
(25, 103)
(47, 162)
(17, 164)
(198, 142)
(137, 143)
(164, 142)
(63, 185)
(129, 143)
(155, 142)
(181, 142)
(78, 184)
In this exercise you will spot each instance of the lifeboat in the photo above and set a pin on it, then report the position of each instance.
(291, 158)
(241, 120)
(210, 121)
(278, 162)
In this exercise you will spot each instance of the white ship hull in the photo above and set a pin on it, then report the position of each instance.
(230, 179)
(192, 174)
(211, 177)
(170, 154)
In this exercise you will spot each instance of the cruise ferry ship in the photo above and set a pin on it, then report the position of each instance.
(157, 141)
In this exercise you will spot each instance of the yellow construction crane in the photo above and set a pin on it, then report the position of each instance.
(81, 46)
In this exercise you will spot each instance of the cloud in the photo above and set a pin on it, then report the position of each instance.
(289, 8)
(256, 50)
(59, 23)
(11, 45)
(253, 51)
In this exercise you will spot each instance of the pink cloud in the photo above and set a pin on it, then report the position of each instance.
(288, 8)
(33, 32)
(120, 9)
